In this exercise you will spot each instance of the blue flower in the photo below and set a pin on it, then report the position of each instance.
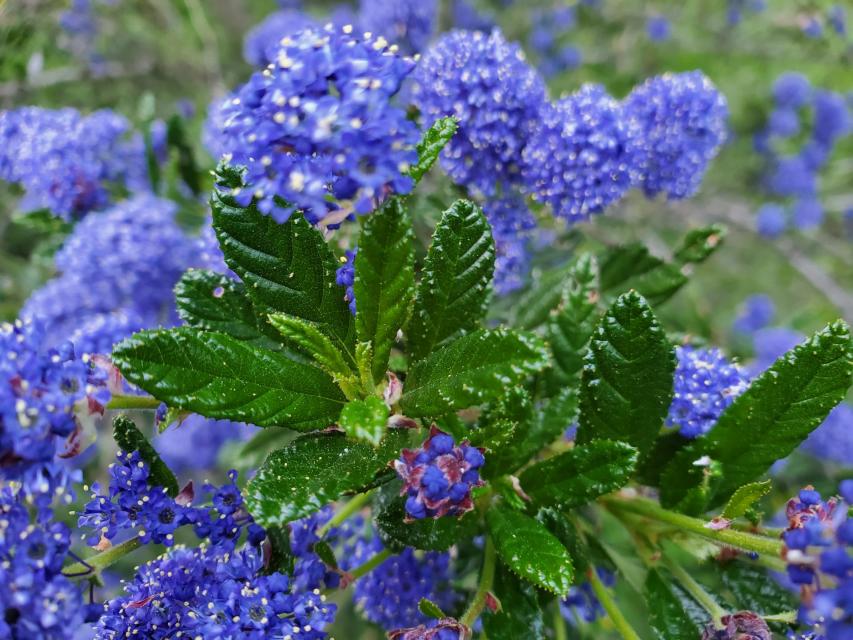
(792, 176)
(808, 213)
(195, 442)
(581, 156)
(784, 122)
(444, 629)
(771, 221)
(658, 28)
(833, 440)
(582, 600)
(792, 90)
(496, 96)
(771, 343)
(831, 117)
(318, 123)
(837, 16)
(263, 41)
(407, 23)
(756, 313)
(345, 277)
(743, 625)
(682, 120)
(706, 384)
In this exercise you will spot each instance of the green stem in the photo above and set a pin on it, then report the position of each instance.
(788, 617)
(487, 576)
(739, 539)
(354, 505)
(102, 560)
(370, 565)
(622, 625)
(697, 591)
(560, 632)
(133, 402)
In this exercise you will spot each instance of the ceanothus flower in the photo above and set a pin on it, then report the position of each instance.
(833, 440)
(195, 442)
(318, 123)
(807, 213)
(213, 592)
(771, 221)
(743, 625)
(486, 83)
(263, 41)
(444, 629)
(345, 277)
(438, 477)
(581, 155)
(706, 384)
(682, 120)
(582, 600)
(511, 222)
(658, 28)
(831, 117)
(792, 176)
(792, 90)
(756, 313)
(407, 23)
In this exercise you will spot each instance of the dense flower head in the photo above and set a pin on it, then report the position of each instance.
(486, 83)
(37, 601)
(756, 313)
(682, 120)
(195, 441)
(389, 595)
(65, 161)
(512, 222)
(468, 16)
(439, 476)
(124, 261)
(837, 17)
(831, 117)
(743, 625)
(819, 553)
(792, 176)
(211, 592)
(345, 277)
(42, 391)
(319, 122)
(407, 23)
(547, 39)
(807, 213)
(444, 629)
(582, 600)
(792, 90)
(771, 220)
(581, 157)
(769, 344)
(658, 28)
(706, 384)
(263, 41)
(833, 440)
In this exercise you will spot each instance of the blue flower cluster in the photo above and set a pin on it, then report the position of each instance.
(134, 503)
(735, 9)
(214, 592)
(407, 23)
(318, 124)
(195, 442)
(658, 28)
(345, 277)
(37, 601)
(438, 477)
(756, 313)
(819, 556)
(67, 162)
(795, 175)
(743, 625)
(44, 395)
(582, 600)
(706, 384)
(547, 37)
(263, 41)
(512, 223)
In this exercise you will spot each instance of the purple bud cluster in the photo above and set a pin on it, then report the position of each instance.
(795, 176)
(67, 162)
(819, 554)
(214, 592)
(319, 123)
(345, 277)
(706, 384)
(44, 394)
(743, 625)
(438, 477)
(133, 502)
(444, 629)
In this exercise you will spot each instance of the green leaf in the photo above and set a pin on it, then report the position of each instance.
(365, 419)
(310, 339)
(766, 422)
(572, 322)
(215, 302)
(220, 377)
(281, 556)
(313, 471)
(560, 525)
(755, 590)
(433, 141)
(530, 550)
(430, 609)
(632, 267)
(325, 552)
(286, 267)
(668, 609)
(580, 475)
(471, 370)
(700, 243)
(627, 381)
(652, 464)
(430, 534)
(129, 439)
(454, 290)
(178, 139)
(534, 306)
(520, 615)
(557, 415)
(384, 280)
(744, 498)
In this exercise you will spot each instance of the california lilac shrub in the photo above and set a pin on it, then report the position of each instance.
(403, 324)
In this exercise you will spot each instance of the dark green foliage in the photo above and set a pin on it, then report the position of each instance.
(129, 439)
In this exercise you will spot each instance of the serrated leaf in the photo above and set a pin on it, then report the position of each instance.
(471, 370)
(317, 344)
(430, 534)
(754, 589)
(652, 464)
(530, 550)
(627, 380)
(325, 552)
(520, 615)
(433, 141)
(745, 497)
(281, 556)
(177, 138)
(365, 419)
(632, 267)
(313, 471)
(287, 268)
(572, 322)
(215, 302)
(430, 609)
(384, 280)
(766, 422)
(219, 377)
(668, 609)
(453, 293)
(534, 306)
(700, 243)
(560, 525)
(580, 475)
(129, 439)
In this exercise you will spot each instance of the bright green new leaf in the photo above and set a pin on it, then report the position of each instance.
(317, 344)
(744, 498)
(365, 419)
(433, 141)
